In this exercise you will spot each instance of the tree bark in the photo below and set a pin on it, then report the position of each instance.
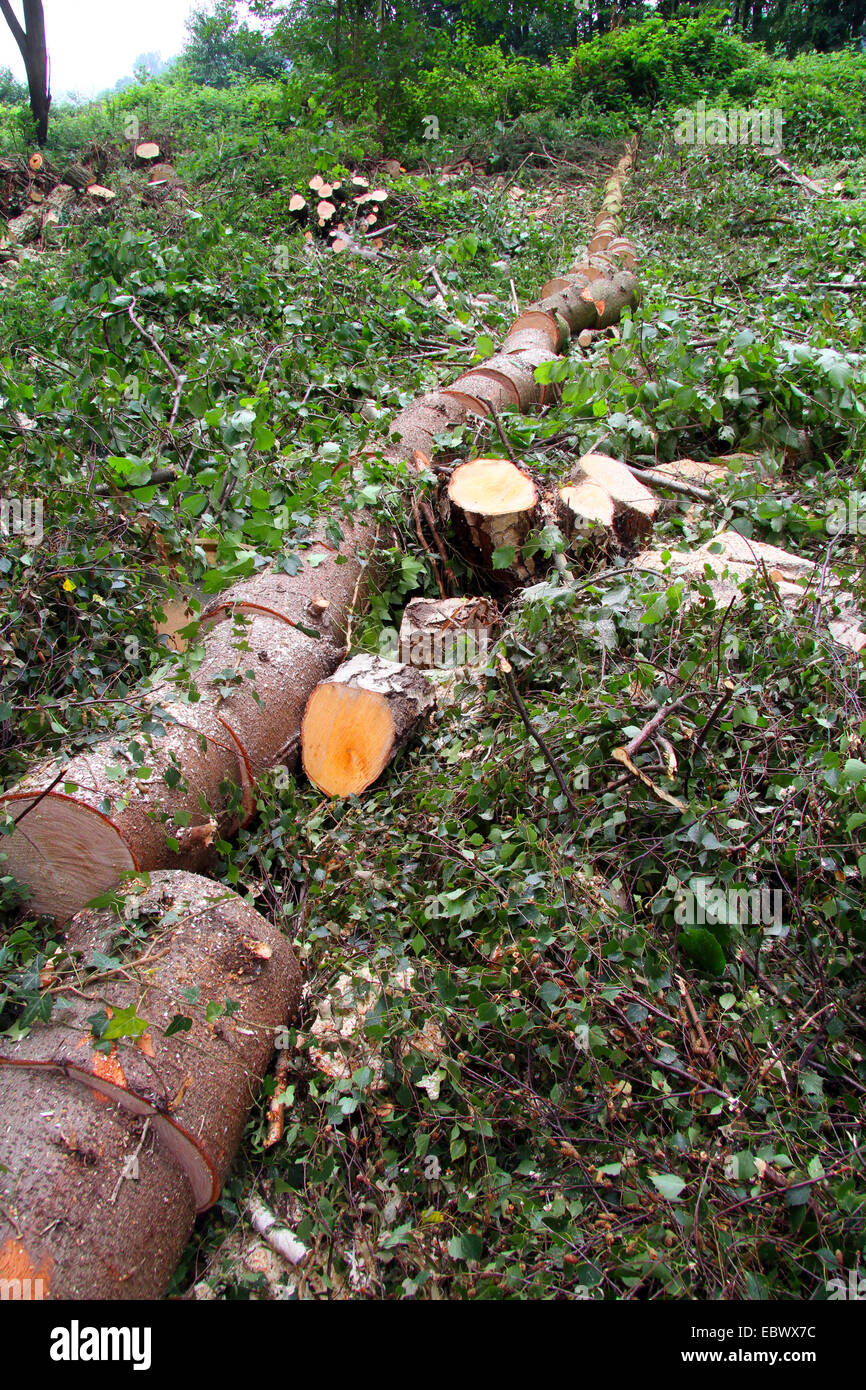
(159, 799)
(34, 50)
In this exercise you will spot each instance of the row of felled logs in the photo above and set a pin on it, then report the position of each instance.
(111, 1141)
(114, 1134)
(358, 718)
(591, 294)
(112, 1138)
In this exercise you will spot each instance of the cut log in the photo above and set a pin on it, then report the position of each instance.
(258, 673)
(91, 1205)
(35, 163)
(584, 507)
(639, 505)
(447, 632)
(537, 339)
(530, 358)
(162, 179)
(286, 635)
(102, 195)
(567, 281)
(548, 322)
(297, 205)
(432, 414)
(316, 182)
(585, 273)
(129, 803)
(495, 505)
(356, 722)
(195, 1080)
(107, 1148)
(622, 250)
(734, 559)
(318, 594)
(575, 305)
(483, 394)
(610, 297)
(78, 177)
(517, 376)
(147, 152)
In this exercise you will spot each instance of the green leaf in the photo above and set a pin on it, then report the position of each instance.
(465, 1247)
(179, 1024)
(668, 1184)
(124, 1023)
(703, 949)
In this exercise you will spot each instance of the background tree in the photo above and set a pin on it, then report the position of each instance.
(222, 49)
(11, 92)
(30, 38)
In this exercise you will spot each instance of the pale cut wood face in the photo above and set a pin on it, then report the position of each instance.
(347, 739)
(492, 487)
(66, 852)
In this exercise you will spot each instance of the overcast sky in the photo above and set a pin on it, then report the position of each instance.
(94, 42)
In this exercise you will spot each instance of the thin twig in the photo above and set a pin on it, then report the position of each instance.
(178, 377)
(506, 669)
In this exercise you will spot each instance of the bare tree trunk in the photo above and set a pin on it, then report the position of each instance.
(34, 51)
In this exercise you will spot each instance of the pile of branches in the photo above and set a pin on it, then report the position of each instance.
(23, 183)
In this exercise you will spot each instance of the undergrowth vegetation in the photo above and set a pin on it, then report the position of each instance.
(557, 1084)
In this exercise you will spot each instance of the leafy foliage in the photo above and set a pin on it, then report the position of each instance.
(526, 1105)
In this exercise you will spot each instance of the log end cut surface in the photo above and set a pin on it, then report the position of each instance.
(66, 852)
(492, 487)
(348, 737)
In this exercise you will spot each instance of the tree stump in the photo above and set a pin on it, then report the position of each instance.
(494, 505)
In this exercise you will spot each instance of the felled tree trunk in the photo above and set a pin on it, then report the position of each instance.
(63, 1155)
(447, 631)
(191, 1067)
(414, 428)
(509, 371)
(495, 506)
(358, 720)
(134, 802)
(160, 798)
(592, 294)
